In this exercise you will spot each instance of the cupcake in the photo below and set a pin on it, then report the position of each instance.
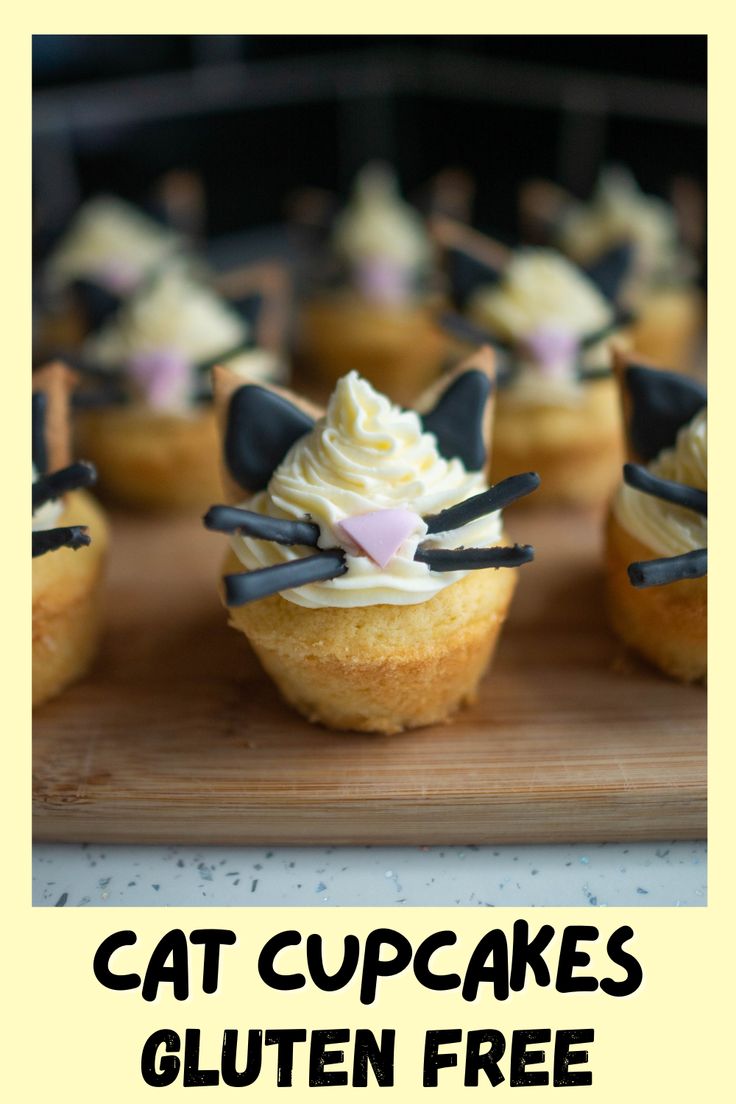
(660, 289)
(150, 426)
(107, 252)
(373, 316)
(358, 542)
(656, 537)
(557, 409)
(69, 541)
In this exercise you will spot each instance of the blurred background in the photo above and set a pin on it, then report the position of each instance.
(256, 117)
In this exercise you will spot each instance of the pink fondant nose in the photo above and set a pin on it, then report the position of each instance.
(379, 533)
(383, 280)
(552, 347)
(162, 375)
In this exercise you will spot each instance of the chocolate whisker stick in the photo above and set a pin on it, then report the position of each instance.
(496, 498)
(678, 493)
(79, 474)
(250, 586)
(231, 519)
(66, 536)
(669, 569)
(622, 318)
(472, 559)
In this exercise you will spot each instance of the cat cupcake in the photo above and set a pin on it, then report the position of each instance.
(557, 408)
(69, 538)
(660, 288)
(106, 253)
(656, 538)
(372, 314)
(150, 427)
(359, 535)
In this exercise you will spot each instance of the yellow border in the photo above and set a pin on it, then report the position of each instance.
(80, 1042)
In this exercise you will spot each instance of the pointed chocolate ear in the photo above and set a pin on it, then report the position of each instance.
(466, 273)
(656, 405)
(612, 269)
(460, 411)
(52, 388)
(259, 422)
(97, 303)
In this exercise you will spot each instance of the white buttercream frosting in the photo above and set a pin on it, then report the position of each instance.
(181, 317)
(667, 529)
(367, 454)
(46, 516)
(378, 225)
(620, 212)
(541, 291)
(110, 242)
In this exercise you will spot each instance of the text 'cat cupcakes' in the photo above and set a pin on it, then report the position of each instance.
(357, 535)
(656, 547)
(69, 541)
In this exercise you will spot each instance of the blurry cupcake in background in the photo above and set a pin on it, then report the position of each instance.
(69, 543)
(656, 556)
(372, 313)
(557, 409)
(106, 253)
(149, 424)
(663, 240)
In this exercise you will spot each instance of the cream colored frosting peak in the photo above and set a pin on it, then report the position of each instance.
(378, 225)
(112, 242)
(540, 288)
(621, 212)
(667, 529)
(367, 454)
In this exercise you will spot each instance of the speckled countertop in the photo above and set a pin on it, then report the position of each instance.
(577, 874)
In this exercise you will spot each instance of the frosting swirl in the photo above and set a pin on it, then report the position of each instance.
(367, 454)
(621, 212)
(667, 529)
(176, 322)
(111, 243)
(544, 305)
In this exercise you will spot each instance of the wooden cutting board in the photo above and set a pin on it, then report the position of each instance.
(177, 736)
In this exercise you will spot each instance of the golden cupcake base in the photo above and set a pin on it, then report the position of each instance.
(577, 450)
(666, 624)
(152, 461)
(400, 350)
(668, 327)
(381, 668)
(66, 602)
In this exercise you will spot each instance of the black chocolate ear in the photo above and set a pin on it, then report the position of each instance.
(660, 404)
(611, 269)
(466, 273)
(38, 431)
(97, 302)
(249, 308)
(457, 419)
(261, 428)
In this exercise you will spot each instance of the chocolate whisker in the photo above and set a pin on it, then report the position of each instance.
(230, 519)
(471, 559)
(487, 502)
(66, 536)
(620, 319)
(80, 474)
(641, 479)
(670, 569)
(249, 586)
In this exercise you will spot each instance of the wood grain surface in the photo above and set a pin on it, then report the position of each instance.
(177, 735)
